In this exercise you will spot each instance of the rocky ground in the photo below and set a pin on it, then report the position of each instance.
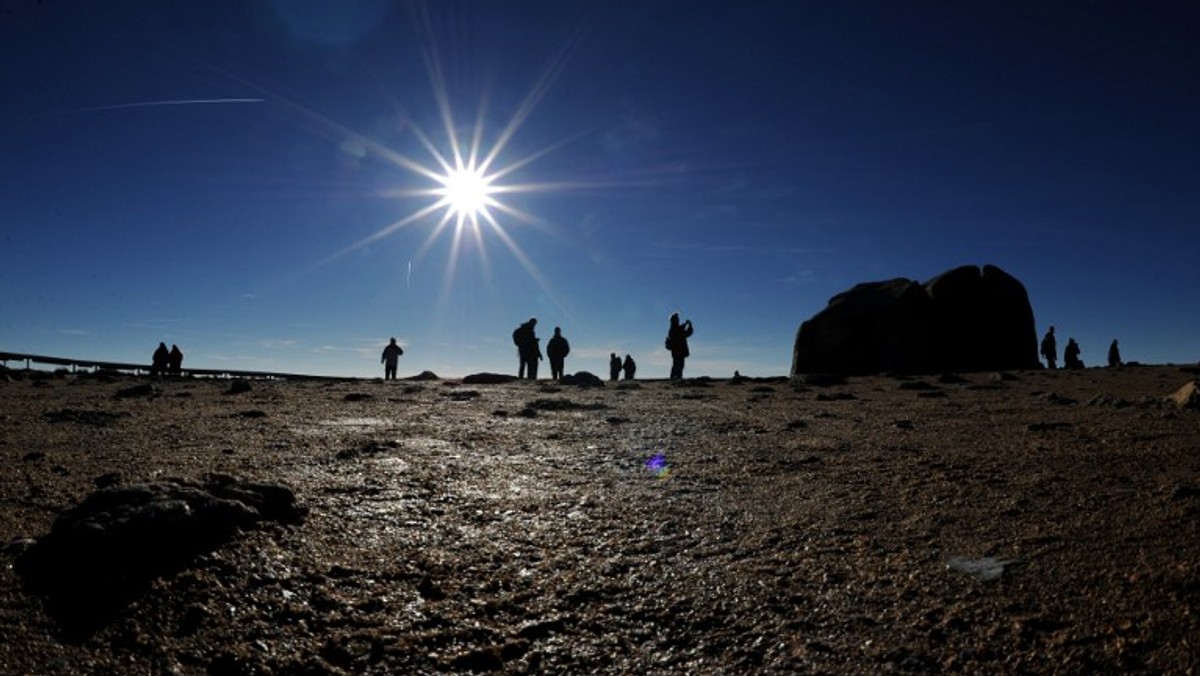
(1041, 522)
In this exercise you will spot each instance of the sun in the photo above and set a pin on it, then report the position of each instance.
(467, 192)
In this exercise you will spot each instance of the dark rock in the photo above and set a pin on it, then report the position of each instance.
(106, 480)
(357, 396)
(462, 395)
(488, 379)
(425, 375)
(96, 418)
(822, 379)
(102, 553)
(143, 390)
(966, 319)
(239, 387)
(582, 379)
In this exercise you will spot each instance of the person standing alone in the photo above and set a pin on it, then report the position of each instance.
(391, 359)
(677, 335)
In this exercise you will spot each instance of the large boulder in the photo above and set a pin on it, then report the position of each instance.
(966, 319)
(101, 554)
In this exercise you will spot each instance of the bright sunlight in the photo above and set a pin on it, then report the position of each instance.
(467, 192)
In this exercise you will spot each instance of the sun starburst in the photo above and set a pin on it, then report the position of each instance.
(467, 192)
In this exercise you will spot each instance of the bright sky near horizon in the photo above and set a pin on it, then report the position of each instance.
(255, 181)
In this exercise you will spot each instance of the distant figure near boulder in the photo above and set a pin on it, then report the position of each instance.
(966, 319)
(614, 366)
(391, 359)
(1114, 355)
(1071, 358)
(1049, 348)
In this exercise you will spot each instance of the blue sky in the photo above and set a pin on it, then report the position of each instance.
(219, 174)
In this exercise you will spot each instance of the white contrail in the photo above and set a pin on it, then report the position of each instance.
(132, 104)
(169, 102)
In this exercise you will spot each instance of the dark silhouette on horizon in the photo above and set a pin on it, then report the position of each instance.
(158, 363)
(175, 360)
(1114, 355)
(614, 366)
(1049, 348)
(677, 335)
(967, 319)
(1071, 358)
(557, 349)
(391, 359)
(630, 367)
(528, 350)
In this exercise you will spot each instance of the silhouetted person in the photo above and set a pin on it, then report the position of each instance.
(630, 367)
(528, 350)
(175, 360)
(614, 366)
(391, 359)
(557, 350)
(1071, 358)
(677, 335)
(158, 363)
(1114, 355)
(1050, 348)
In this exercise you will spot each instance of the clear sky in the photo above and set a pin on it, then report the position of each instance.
(241, 178)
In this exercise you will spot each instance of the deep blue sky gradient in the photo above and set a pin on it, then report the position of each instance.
(738, 162)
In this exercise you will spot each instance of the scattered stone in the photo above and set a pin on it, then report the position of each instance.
(357, 396)
(250, 414)
(1188, 396)
(34, 456)
(1049, 426)
(488, 379)
(462, 395)
(1056, 399)
(797, 425)
(239, 387)
(582, 379)
(425, 375)
(986, 569)
(95, 418)
(106, 480)
(143, 390)
(836, 396)
(563, 405)
(1108, 400)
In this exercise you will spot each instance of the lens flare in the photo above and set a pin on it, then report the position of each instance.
(657, 466)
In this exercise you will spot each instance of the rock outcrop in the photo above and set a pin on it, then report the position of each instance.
(102, 553)
(966, 319)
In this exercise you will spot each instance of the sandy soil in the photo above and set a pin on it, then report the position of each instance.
(713, 527)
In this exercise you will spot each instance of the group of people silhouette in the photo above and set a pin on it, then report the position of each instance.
(1071, 359)
(166, 361)
(529, 352)
(616, 366)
